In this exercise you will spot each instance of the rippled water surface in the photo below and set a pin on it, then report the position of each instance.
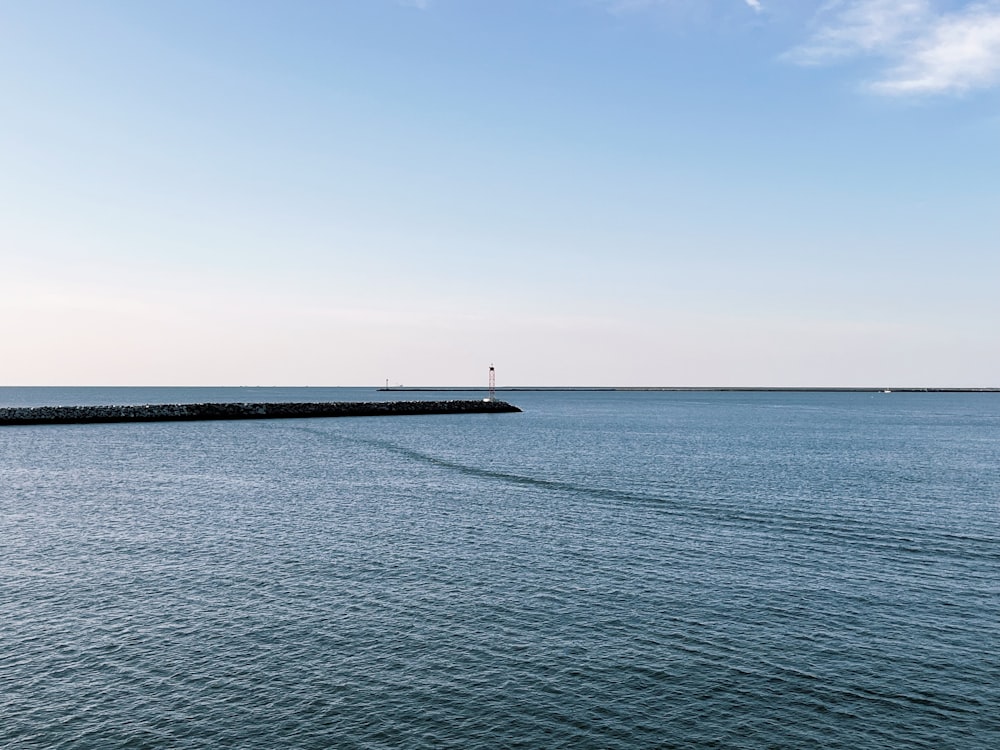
(605, 570)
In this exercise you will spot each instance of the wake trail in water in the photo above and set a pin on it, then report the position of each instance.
(482, 473)
(685, 504)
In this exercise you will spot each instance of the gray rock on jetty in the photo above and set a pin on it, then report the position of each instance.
(36, 415)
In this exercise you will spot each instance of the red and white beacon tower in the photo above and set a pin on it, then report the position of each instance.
(493, 383)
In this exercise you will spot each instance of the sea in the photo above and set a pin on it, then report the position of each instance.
(604, 570)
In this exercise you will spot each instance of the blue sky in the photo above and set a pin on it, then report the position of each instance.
(585, 192)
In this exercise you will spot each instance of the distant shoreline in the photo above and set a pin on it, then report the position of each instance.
(686, 389)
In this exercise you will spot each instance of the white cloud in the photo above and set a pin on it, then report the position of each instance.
(919, 46)
(959, 53)
(863, 27)
(925, 50)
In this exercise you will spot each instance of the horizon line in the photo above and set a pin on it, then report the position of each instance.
(593, 388)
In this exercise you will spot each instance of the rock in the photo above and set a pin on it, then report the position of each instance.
(218, 411)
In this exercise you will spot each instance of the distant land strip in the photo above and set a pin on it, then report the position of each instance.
(688, 389)
(40, 415)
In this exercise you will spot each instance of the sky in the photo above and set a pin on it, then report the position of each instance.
(582, 192)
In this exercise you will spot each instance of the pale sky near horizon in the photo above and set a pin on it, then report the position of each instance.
(584, 192)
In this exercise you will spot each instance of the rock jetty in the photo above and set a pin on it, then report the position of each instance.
(199, 412)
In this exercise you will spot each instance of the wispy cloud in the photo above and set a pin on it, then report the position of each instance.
(923, 50)
(755, 4)
(959, 53)
(863, 27)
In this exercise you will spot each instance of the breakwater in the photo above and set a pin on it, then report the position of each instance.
(37, 415)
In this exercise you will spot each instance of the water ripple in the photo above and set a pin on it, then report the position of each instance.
(711, 575)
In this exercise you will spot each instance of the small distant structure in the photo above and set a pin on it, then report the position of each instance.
(493, 384)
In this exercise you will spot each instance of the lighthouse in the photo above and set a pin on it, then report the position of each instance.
(493, 383)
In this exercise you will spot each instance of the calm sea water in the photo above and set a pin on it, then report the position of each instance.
(605, 570)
